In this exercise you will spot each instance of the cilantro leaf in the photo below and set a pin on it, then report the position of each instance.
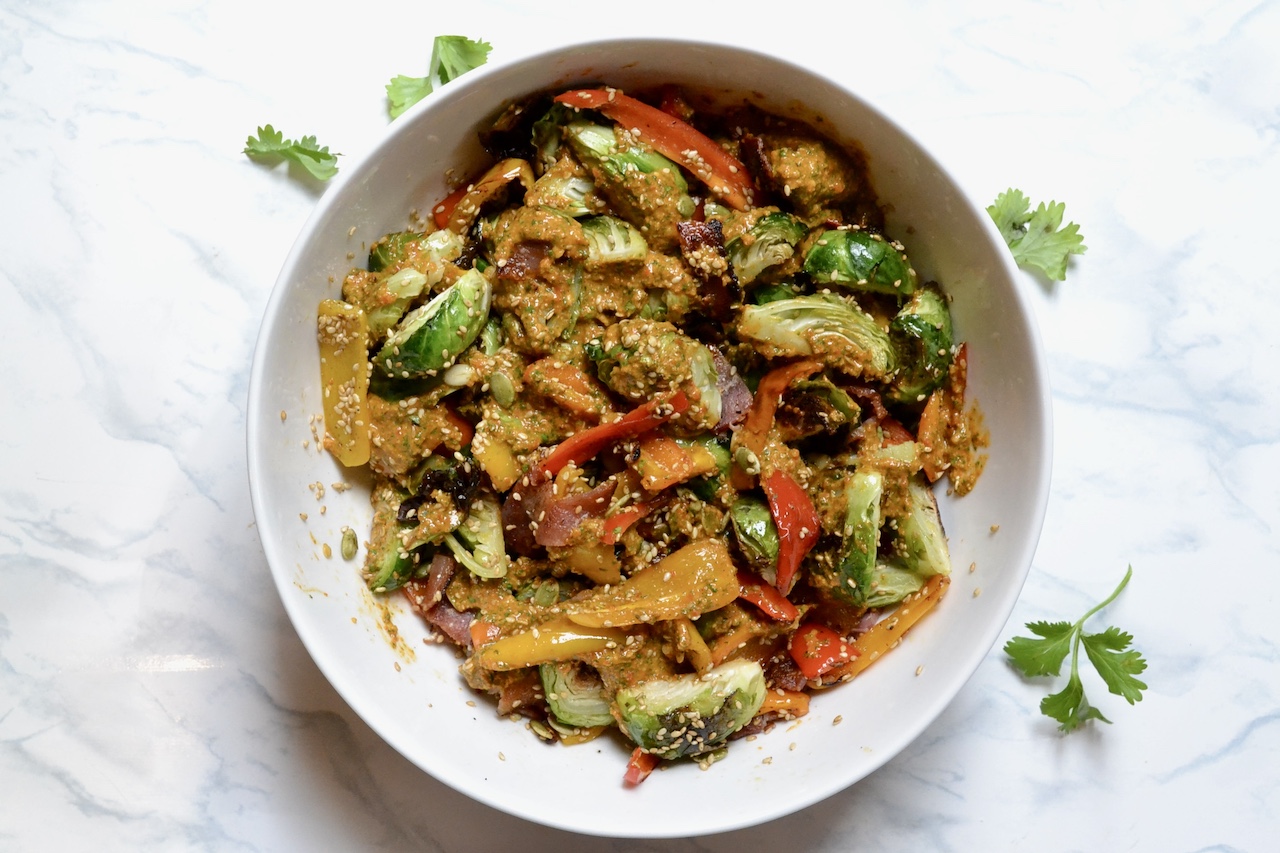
(1069, 706)
(1041, 657)
(403, 92)
(270, 144)
(451, 57)
(1036, 239)
(1108, 651)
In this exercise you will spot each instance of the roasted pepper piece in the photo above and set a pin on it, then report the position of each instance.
(343, 335)
(723, 173)
(797, 523)
(557, 639)
(696, 579)
(817, 649)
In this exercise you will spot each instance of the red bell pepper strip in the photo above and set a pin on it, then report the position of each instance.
(816, 649)
(723, 173)
(774, 604)
(618, 523)
(584, 445)
(443, 211)
(797, 523)
(640, 766)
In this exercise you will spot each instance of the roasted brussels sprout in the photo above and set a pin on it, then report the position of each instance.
(756, 534)
(575, 694)
(861, 260)
(922, 338)
(693, 714)
(430, 338)
(641, 358)
(770, 241)
(387, 563)
(478, 542)
(825, 326)
(611, 241)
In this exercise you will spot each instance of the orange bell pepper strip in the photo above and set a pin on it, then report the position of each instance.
(640, 766)
(886, 633)
(754, 432)
(773, 603)
(817, 649)
(723, 173)
(584, 445)
(797, 523)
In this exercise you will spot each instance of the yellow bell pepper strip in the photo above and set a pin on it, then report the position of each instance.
(796, 521)
(817, 649)
(584, 445)
(343, 335)
(673, 137)
(789, 703)
(886, 633)
(557, 639)
(773, 603)
(696, 579)
(689, 644)
(640, 766)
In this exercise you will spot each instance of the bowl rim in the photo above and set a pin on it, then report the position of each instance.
(475, 80)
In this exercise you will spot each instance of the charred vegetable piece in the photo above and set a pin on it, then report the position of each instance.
(643, 187)
(825, 326)
(921, 335)
(921, 543)
(492, 187)
(885, 634)
(343, 335)
(817, 649)
(770, 241)
(693, 714)
(860, 260)
(430, 338)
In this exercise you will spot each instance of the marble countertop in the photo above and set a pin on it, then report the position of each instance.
(153, 693)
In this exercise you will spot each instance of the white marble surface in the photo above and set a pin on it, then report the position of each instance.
(153, 694)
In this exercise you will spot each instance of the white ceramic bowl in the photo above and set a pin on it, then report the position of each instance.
(411, 693)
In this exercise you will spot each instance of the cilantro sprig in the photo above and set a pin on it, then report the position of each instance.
(270, 144)
(451, 57)
(1037, 238)
(1108, 651)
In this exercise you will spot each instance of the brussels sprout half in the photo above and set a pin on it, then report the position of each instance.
(825, 326)
(430, 338)
(692, 714)
(860, 260)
